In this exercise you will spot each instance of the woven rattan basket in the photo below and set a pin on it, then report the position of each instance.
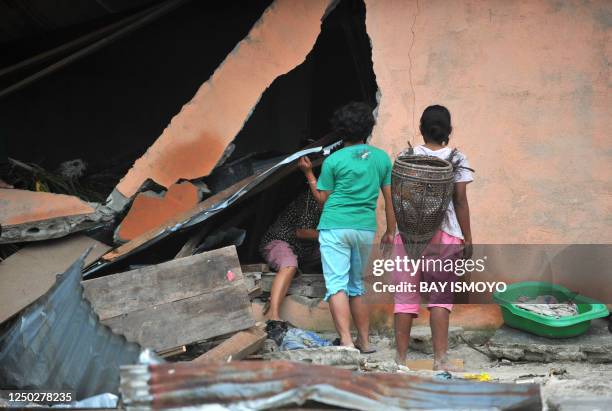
(422, 188)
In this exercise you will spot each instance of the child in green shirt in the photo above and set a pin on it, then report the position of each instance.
(348, 189)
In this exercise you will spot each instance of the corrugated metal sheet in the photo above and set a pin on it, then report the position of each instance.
(58, 343)
(253, 385)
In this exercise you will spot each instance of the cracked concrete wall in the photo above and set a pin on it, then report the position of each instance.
(197, 136)
(528, 85)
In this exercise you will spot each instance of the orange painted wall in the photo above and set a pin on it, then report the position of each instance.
(197, 136)
(527, 83)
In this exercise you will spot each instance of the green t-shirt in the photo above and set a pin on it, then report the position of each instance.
(354, 175)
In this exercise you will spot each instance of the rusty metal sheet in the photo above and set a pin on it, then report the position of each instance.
(58, 343)
(255, 385)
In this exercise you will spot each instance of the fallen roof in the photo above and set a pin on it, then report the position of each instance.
(58, 343)
(206, 209)
(32, 216)
(249, 385)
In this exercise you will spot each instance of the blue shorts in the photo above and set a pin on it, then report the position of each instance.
(344, 255)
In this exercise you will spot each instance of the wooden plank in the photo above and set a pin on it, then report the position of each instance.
(177, 302)
(306, 285)
(152, 285)
(238, 346)
(31, 271)
(255, 268)
(172, 351)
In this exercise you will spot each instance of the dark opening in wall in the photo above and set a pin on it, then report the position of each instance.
(292, 113)
(109, 107)
(296, 108)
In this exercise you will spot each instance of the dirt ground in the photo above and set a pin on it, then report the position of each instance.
(565, 385)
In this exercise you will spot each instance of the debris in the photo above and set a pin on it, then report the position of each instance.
(307, 285)
(58, 343)
(296, 338)
(171, 352)
(72, 169)
(594, 346)
(276, 330)
(32, 270)
(147, 304)
(420, 338)
(150, 210)
(339, 356)
(444, 375)
(482, 377)
(427, 364)
(204, 210)
(238, 346)
(196, 138)
(253, 385)
(33, 216)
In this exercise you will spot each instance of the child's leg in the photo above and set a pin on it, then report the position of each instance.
(407, 304)
(438, 320)
(280, 285)
(361, 246)
(341, 314)
(280, 257)
(335, 259)
(445, 247)
(402, 324)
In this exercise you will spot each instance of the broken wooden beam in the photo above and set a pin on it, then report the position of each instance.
(175, 303)
(238, 346)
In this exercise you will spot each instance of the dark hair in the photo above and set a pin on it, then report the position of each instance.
(353, 122)
(436, 124)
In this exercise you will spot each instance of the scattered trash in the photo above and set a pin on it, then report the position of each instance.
(276, 330)
(230, 275)
(296, 338)
(444, 375)
(482, 377)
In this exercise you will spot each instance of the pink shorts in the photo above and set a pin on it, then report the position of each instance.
(279, 254)
(409, 302)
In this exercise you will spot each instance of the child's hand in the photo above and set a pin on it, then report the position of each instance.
(304, 164)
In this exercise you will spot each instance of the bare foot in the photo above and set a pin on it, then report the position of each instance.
(445, 365)
(400, 359)
(363, 347)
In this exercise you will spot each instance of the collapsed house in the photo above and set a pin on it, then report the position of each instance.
(196, 179)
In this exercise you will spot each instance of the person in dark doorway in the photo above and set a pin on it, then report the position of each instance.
(348, 188)
(290, 242)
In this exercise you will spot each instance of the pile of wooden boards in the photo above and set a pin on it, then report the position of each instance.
(167, 307)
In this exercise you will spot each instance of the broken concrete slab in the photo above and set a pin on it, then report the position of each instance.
(303, 312)
(345, 357)
(34, 216)
(150, 210)
(197, 137)
(594, 346)
(205, 294)
(31, 271)
(420, 338)
(306, 285)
